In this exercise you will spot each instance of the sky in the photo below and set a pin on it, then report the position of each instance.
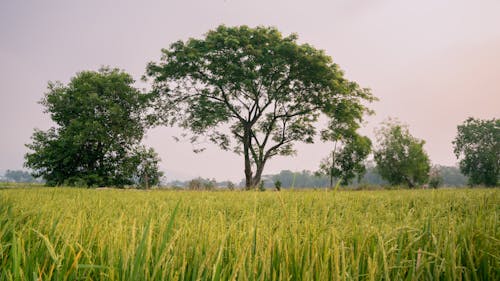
(431, 63)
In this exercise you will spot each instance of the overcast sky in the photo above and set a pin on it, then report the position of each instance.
(432, 63)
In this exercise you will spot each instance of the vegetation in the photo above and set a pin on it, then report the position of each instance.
(477, 146)
(253, 91)
(452, 176)
(400, 157)
(347, 159)
(435, 178)
(18, 176)
(100, 121)
(313, 235)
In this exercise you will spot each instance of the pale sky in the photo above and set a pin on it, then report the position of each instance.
(432, 63)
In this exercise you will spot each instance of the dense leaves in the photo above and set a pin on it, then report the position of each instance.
(253, 91)
(100, 121)
(477, 146)
(400, 157)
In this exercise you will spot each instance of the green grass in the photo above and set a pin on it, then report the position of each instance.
(80, 234)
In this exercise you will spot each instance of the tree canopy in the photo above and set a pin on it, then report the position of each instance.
(101, 119)
(477, 146)
(400, 157)
(253, 91)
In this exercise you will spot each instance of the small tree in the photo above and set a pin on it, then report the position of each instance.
(347, 159)
(277, 185)
(143, 165)
(254, 91)
(230, 185)
(477, 146)
(435, 178)
(400, 157)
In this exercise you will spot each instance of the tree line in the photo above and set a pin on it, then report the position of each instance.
(249, 90)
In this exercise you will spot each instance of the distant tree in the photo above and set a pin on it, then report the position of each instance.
(143, 166)
(371, 176)
(301, 179)
(202, 184)
(477, 146)
(277, 185)
(452, 176)
(100, 120)
(435, 178)
(253, 91)
(347, 159)
(230, 185)
(18, 176)
(400, 157)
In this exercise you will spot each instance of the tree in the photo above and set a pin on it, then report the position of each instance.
(18, 176)
(350, 150)
(100, 120)
(400, 157)
(253, 91)
(435, 178)
(347, 157)
(477, 146)
(143, 166)
(452, 176)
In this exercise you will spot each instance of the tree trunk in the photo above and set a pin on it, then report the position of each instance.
(333, 165)
(409, 182)
(246, 152)
(258, 174)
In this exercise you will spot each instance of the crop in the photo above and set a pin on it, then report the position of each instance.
(88, 234)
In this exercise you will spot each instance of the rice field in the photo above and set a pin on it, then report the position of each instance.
(88, 234)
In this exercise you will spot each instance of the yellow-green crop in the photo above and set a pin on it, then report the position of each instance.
(80, 234)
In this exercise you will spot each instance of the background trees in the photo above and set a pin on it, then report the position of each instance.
(400, 157)
(18, 176)
(477, 146)
(100, 121)
(347, 159)
(253, 91)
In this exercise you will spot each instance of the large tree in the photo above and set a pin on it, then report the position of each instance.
(101, 119)
(253, 91)
(400, 157)
(477, 146)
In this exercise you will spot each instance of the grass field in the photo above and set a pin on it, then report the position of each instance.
(80, 234)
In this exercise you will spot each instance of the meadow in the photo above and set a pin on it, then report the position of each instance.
(88, 234)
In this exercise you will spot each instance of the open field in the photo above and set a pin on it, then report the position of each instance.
(80, 234)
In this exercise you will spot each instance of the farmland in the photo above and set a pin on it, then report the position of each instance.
(89, 234)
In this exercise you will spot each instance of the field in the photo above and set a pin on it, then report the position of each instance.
(80, 234)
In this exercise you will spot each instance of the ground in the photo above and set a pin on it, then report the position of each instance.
(69, 234)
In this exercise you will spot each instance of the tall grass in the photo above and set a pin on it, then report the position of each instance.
(78, 234)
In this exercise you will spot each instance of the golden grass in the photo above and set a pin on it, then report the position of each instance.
(85, 234)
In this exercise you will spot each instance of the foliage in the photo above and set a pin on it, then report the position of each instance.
(314, 235)
(301, 179)
(347, 159)
(435, 178)
(18, 176)
(100, 120)
(277, 185)
(477, 146)
(452, 176)
(400, 157)
(253, 91)
(143, 166)
(230, 185)
(201, 184)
